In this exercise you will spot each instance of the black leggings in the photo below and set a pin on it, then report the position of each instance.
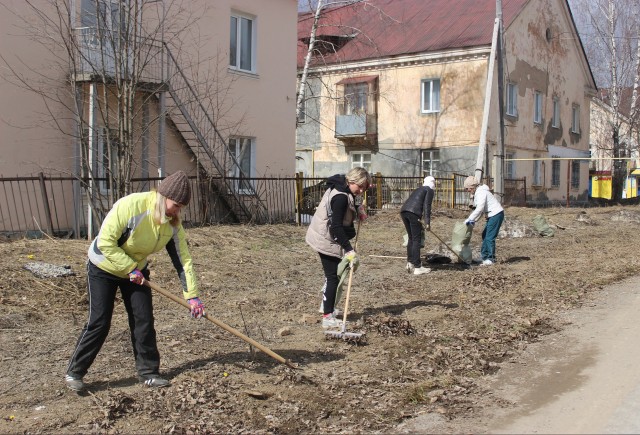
(414, 231)
(102, 287)
(330, 267)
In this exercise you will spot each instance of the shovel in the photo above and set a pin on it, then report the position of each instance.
(224, 326)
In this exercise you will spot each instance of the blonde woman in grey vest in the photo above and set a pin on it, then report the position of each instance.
(331, 230)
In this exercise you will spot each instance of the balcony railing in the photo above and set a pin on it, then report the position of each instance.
(356, 125)
(108, 55)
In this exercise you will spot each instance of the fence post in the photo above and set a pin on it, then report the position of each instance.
(299, 196)
(45, 202)
(568, 180)
(378, 190)
(453, 191)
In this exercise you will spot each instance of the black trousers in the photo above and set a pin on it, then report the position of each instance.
(102, 287)
(330, 267)
(413, 226)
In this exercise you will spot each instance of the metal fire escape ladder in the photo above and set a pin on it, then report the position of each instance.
(202, 136)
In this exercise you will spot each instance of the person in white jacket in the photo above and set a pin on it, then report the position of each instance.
(485, 202)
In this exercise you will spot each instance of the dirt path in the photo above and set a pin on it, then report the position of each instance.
(583, 379)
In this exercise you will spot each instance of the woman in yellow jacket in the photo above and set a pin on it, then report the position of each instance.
(137, 226)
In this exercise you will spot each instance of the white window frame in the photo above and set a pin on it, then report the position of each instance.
(555, 121)
(556, 170)
(575, 119)
(430, 96)
(430, 162)
(512, 99)
(244, 150)
(361, 159)
(537, 173)
(236, 57)
(510, 166)
(100, 157)
(537, 107)
(356, 98)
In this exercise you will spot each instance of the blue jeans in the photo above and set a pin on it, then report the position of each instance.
(489, 234)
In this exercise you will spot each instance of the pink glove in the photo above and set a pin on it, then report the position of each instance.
(362, 212)
(136, 277)
(197, 308)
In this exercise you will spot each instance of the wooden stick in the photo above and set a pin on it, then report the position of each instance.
(220, 324)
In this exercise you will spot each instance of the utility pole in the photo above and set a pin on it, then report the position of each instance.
(498, 187)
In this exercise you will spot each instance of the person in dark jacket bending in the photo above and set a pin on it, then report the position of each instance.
(416, 206)
(331, 230)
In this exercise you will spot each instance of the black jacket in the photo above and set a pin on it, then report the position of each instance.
(341, 234)
(419, 203)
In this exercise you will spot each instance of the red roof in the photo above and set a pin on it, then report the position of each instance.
(385, 28)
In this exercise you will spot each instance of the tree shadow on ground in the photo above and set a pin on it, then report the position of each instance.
(511, 260)
(398, 309)
(257, 361)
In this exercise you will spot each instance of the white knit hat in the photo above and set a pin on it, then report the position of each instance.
(429, 181)
(470, 182)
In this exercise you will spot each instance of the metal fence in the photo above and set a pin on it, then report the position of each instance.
(34, 206)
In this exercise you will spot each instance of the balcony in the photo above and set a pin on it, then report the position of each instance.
(104, 55)
(356, 125)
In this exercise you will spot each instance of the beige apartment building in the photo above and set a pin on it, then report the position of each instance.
(205, 87)
(400, 88)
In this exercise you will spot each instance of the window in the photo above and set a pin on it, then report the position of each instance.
(537, 179)
(241, 49)
(555, 122)
(243, 151)
(510, 167)
(575, 119)
(537, 107)
(355, 98)
(361, 159)
(512, 99)
(430, 163)
(575, 174)
(430, 96)
(104, 160)
(555, 173)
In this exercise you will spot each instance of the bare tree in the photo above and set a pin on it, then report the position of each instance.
(610, 31)
(111, 61)
(319, 48)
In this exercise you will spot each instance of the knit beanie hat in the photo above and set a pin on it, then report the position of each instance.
(429, 181)
(470, 182)
(176, 187)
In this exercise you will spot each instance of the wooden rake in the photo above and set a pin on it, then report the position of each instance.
(222, 325)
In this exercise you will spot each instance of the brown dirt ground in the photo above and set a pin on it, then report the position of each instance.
(430, 338)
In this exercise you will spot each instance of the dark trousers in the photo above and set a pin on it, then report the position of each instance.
(413, 226)
(330, 267)
(102, 287)
(489, 234)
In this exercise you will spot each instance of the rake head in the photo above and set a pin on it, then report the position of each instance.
(353, 337)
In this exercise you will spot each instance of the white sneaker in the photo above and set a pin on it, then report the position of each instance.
(336, 312)
(410, 267)
(421, 270)
(487, 263)
(330, 322)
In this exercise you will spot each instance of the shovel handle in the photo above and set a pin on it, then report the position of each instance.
(222, 325)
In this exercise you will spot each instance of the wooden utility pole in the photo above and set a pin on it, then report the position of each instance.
(498, 187)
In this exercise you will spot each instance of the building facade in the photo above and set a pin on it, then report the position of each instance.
(397, 88)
